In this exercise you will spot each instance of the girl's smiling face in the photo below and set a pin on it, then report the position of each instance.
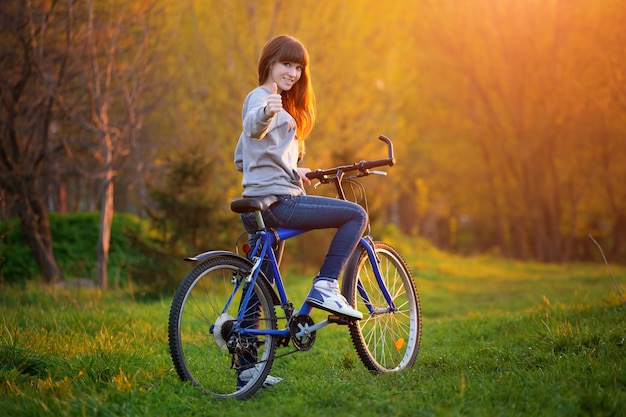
(285, 74)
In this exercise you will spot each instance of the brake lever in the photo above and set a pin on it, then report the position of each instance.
(383, 173)
(368, 172)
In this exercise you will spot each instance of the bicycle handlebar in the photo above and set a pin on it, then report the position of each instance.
(327, 175)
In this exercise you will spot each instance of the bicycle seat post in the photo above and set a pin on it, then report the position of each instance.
(259, 220)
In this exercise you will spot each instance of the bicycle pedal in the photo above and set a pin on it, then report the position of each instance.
(340, 320)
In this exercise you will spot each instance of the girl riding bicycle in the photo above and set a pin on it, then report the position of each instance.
(277, 116)
(223, 320)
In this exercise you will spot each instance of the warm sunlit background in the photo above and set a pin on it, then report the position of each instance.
(508, 116)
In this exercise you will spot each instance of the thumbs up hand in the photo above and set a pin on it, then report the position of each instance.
(274, 102)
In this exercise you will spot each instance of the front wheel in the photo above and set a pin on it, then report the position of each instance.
(386, 339)
(205, 345)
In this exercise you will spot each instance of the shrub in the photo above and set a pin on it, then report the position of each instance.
(133, 253)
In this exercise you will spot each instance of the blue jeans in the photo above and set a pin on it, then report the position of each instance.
(315, 212)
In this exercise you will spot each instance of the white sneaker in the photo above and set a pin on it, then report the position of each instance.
(325, 295)
(247, 374)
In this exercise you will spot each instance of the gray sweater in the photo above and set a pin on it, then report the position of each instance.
(267, 150)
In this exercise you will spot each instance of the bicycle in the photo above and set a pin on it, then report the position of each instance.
(223, 324)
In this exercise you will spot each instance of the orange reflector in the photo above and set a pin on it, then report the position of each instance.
(399, 343)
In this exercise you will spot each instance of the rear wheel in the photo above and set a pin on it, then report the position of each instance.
(204, 345)
(386, 340)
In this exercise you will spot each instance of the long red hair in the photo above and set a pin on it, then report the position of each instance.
(299, 101)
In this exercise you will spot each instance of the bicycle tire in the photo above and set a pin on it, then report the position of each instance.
(386, 341)
(199, 323)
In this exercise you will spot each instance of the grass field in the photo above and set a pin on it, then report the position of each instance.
(500, 338)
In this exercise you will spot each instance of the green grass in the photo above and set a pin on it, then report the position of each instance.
(499, 338)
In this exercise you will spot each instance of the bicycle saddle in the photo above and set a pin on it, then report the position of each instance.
(252, 204)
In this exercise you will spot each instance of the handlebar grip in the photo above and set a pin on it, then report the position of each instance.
(313, 175)
(377, 163)
(390, 157)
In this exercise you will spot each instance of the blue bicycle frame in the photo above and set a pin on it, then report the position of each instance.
(262, 249)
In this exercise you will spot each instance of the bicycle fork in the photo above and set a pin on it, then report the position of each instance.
(374, 260)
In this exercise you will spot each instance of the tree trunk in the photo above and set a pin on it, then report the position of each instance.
(36, 229)
(104, 234)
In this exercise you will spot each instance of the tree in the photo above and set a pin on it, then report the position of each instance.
(28, 122)
(110, 46)
(525, 83)
(74, 76)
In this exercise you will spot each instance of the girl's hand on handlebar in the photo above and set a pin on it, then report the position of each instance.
(302, 172)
